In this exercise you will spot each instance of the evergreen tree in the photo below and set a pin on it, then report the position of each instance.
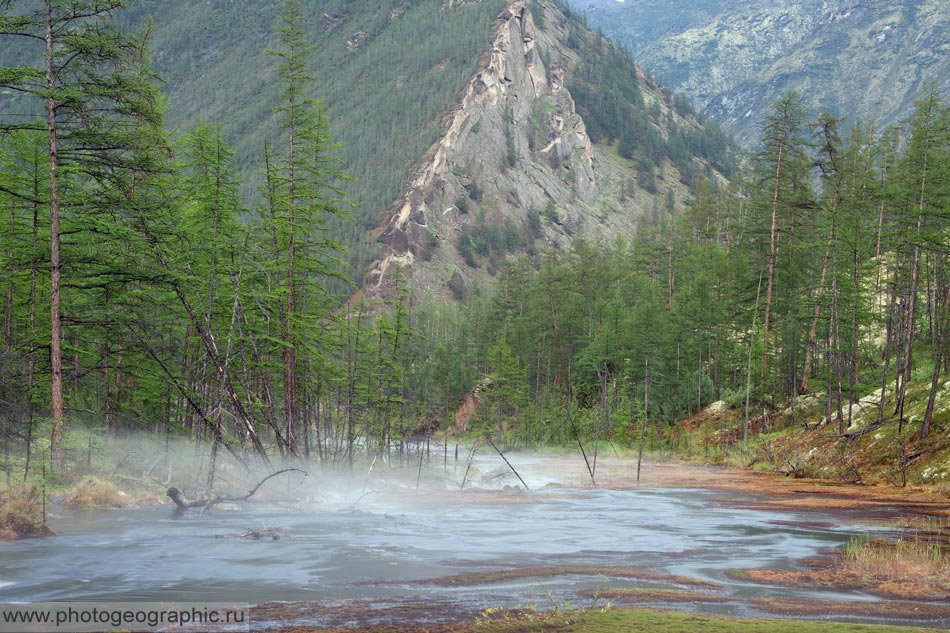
(301, 196)
(780, 189)
(97, 96)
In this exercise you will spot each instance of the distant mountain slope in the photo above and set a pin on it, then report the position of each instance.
(860, 58)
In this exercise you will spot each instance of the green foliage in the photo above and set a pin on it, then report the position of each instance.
(409, 61)
(511, 149)
(534, 223)
(186, 310)
(474, 191)
(676, 318)
(492, 242)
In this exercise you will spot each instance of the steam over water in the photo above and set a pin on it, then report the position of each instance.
(344, 539)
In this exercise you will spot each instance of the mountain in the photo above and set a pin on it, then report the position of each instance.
(556, 137)
(473, 130)
(864, 59)
(387, 71)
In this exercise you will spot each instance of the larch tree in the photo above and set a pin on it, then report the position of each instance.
(301, 195)
(780, 182)
(92, 94)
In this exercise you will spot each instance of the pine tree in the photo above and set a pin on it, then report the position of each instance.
(781, 185)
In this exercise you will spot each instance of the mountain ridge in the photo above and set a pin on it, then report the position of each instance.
(576, 142)
(516, 154)
(863, 59)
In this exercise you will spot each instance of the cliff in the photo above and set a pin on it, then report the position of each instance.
(516, 171)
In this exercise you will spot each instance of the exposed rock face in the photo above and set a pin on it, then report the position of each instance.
(513, 145)
(859, 58)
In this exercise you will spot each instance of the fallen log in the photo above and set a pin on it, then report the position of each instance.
(272, 534)
(205, 503)
(184, 503)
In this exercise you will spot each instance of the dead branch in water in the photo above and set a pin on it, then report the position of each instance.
(205, 503)
(502, 455)
(471, 456)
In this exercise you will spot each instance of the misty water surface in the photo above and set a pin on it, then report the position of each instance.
(350, 539)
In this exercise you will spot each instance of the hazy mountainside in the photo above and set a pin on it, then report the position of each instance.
(557, 137)
(865, 59)
(498, 127)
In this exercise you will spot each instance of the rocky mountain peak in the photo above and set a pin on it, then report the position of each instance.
(515, 171)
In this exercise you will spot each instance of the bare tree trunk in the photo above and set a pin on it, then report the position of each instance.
(31, 360)
(8, 308)
(646, 413)
(813, 332)
(211, 349)
(887, 349)
(748, 379)
(911, 308)
(935, 380)
(773, 243)
(57, 448)
(836, 328)
(914, 274)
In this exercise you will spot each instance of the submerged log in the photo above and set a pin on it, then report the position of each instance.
(272, 534)
(184, 503)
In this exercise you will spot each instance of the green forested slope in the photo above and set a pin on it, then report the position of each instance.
(386, 70)
(813, 303)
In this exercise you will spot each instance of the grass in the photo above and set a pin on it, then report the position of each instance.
(916, 567)
(96, 493)
(626, 620)
(22, 514)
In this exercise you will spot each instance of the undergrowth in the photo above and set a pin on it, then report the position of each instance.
(22, 512)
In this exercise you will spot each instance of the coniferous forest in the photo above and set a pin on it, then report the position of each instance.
(143, 294)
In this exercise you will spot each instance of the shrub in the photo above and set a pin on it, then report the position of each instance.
(474, 191)
(96, 493)
(21, 513)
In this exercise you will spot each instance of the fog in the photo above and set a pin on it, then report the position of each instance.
(390, 531)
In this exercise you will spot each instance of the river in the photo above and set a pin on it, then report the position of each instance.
(380, 539)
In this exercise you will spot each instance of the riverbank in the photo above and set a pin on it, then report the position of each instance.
(597, 620)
